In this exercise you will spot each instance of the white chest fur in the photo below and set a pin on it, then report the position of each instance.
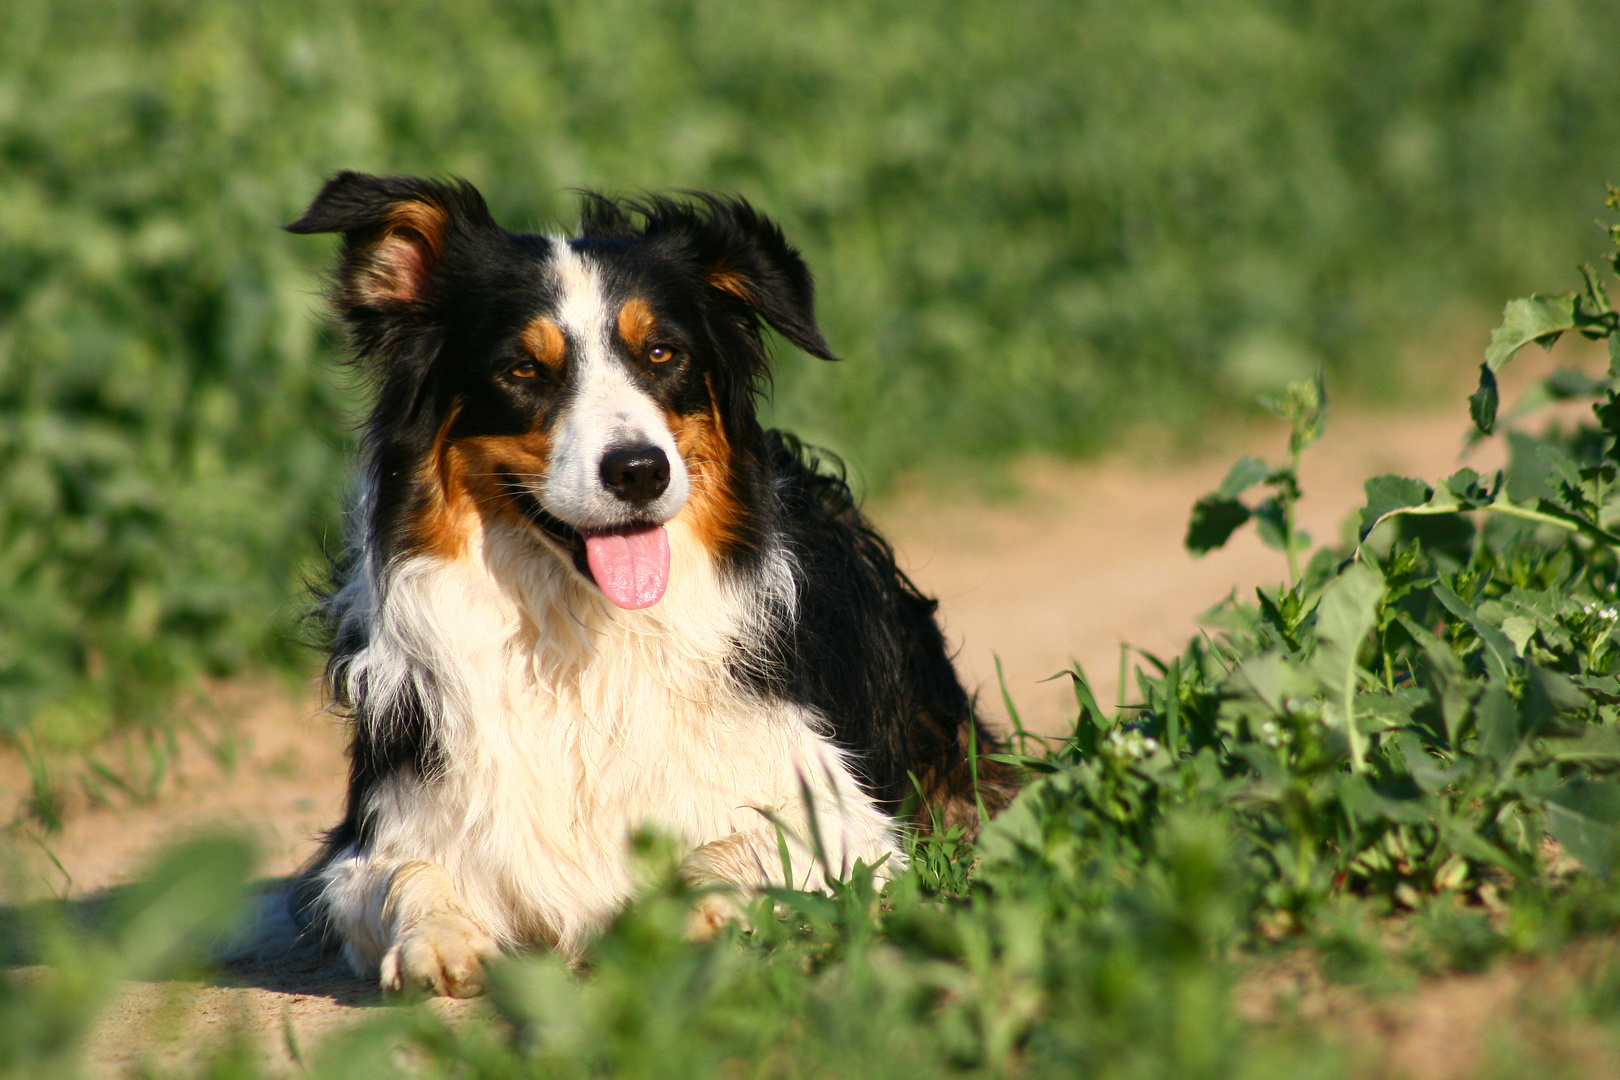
(564, 725)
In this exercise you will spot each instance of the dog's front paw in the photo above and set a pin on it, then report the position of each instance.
(710, 914)
(443, 954)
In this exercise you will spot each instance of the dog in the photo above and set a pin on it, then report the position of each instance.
(586, 593)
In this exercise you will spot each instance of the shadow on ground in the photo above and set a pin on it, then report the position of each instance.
(304, 970)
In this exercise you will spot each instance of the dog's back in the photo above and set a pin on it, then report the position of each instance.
(865, 651)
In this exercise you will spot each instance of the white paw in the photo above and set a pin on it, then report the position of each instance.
(443, 954)
(710, 914)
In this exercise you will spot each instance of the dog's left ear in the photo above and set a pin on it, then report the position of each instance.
(745, 255)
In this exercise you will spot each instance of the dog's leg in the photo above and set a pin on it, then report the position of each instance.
(728, 871)
(733, 869)
(405, 924)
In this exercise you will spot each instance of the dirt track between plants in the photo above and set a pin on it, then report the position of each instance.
(1080, 560)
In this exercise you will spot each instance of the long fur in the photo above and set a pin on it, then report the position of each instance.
(512, 729)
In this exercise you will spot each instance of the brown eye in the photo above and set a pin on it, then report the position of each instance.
(527, 369)
(661, 354)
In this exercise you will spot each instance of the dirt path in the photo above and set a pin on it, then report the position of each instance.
(1086, 557)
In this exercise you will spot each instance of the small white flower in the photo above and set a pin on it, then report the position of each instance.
(1129, 746)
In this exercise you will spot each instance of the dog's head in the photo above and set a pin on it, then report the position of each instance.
(593, 388)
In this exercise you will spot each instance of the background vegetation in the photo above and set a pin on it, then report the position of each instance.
(1405, 762)
(1033, 224)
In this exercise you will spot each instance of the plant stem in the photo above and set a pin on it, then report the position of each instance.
(1358, 750)
(1288, 501)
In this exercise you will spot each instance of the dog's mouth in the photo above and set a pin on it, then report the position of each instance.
(629, 563)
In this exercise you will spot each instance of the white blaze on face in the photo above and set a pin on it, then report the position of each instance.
(607, 412)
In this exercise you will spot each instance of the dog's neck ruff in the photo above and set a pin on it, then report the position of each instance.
(517, 615)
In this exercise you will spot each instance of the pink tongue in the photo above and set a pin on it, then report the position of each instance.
(631, 568)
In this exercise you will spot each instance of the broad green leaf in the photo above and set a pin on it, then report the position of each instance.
(1274, 679)
(1466, 840)
(1389, 493)
(1346, 615)
(1242, 476)
(1594, 744)
(1368, 806)
(1022, 825)
(1454, 687)
(1603, 688)
(1496, 719)
(1538, 318)
(1382, 710)
(1565, 477)
(1519, 630)
(1527, 478)
(1467, 489)
(1583, 819)
(1596, 799)
(1499, 652)
(1214, 519)
(1271, 525)
(1549, 695)
(1428, 773)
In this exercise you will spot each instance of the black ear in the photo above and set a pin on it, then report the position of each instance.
(395, 230)
(743, 253)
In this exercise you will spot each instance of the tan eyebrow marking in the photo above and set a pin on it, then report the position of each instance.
(545, 342)
(636, 324)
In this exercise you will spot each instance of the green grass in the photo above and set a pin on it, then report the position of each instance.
(1035, 225)
(1404, 763)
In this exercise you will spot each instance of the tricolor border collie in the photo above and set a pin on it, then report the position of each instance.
(586, 592)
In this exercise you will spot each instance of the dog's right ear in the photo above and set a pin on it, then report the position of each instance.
(396, 231)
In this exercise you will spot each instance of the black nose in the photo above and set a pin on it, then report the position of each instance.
(636, 474)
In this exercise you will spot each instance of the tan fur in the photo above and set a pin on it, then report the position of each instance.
(464, 485)
(636, 325)
(545, 342)
(712, 511)
(424, 219)
(435, 944)
(952, 796)
(728, 280)
(395, 268)
(728, 871)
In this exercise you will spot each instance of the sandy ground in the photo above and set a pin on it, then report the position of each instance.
(1085, 560)
(1081, 560)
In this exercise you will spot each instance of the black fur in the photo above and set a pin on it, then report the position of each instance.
(435, 328)
(865, 649)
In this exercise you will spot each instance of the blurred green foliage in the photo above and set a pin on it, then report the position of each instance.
(1405, 762)
(1033, 224)
(162, 927)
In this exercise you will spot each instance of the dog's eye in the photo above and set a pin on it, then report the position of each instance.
(524, 369)
(661, 354)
